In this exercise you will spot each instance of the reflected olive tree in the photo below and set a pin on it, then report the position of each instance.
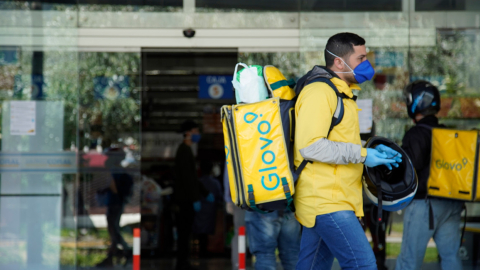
(290, 63)
(109, 96)
(72, 77)
(455, 58)
(453, 66)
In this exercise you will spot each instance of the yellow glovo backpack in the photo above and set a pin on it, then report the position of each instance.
(454, 164)
(259, 143)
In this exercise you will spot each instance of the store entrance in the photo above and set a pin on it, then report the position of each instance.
(180, 85)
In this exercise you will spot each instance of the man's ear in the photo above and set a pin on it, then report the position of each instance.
(338, 63)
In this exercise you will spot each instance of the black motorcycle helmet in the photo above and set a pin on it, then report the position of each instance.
(393, 189)
(422, 97)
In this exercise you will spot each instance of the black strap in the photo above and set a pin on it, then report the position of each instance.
(300, 168)
(390, 221)
(335, 120)
(425, 126)
(332, 85)
(380, 204)
(464, 224)
(431, 224)
(379, 209)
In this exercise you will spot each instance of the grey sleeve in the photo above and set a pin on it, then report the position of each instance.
(331, 152)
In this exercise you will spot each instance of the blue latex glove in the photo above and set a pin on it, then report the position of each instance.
(391, 154)
(210, 198)
(197, 206)
(375, 158)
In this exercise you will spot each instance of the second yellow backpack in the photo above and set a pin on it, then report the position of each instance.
(454, 164)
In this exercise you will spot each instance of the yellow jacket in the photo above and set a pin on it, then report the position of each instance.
(325, 188)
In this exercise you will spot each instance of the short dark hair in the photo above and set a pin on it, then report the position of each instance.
(341, 44)
(188, 125)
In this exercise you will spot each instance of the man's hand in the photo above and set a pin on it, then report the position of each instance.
(210, 198)
(229, 208)
(197, 206)
(390, 152)
(375, 158)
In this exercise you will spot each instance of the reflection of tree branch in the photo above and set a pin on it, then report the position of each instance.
(119, 115)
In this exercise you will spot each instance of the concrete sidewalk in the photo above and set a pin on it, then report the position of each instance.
(224, 264)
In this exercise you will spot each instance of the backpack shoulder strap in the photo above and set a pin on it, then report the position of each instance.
(424, 126)
(339, 111)
(336, 118)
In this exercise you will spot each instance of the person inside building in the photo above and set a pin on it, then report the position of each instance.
(188, 192)
(119, 192)
(206, 219)
(328, 197)
(238, 218)
(427, 217)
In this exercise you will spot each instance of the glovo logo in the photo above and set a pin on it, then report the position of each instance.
(268, 156)
(442, 164)
(227, 154)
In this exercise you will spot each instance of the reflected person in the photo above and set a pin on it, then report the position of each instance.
(206, 219)
(120, 190)
(188, 192)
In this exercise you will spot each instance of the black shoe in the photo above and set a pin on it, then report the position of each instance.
(126, 257)
(185, 266)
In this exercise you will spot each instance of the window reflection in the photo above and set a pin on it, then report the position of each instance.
(57, 181)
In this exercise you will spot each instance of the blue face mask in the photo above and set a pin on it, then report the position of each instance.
(196, 138)
(363, 72)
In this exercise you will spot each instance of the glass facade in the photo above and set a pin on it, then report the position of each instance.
(92, 94)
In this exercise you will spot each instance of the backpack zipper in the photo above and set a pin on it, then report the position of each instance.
(235, 159)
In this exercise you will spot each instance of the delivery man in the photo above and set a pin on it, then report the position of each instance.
(328, 197)
(427, 217)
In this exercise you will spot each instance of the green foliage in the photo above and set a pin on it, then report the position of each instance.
(81, 257)
(9, 253)
(393, 250)
(121, 115)
(290, 63)
(69, 77)
(455, 57)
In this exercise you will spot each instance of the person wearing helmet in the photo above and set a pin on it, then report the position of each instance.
(426, 217)
(328, 193)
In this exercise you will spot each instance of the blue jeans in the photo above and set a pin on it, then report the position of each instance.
(266, 232)
(416, 233)
(340, 235)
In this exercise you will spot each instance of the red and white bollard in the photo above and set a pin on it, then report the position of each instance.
(241, 248)
(136, 249)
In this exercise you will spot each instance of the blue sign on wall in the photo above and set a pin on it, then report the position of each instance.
(8, 57)
(36, 87)
(215, 87)
(111, 87)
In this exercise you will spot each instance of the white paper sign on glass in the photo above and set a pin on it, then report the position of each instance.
(365, 116)
(22, 118)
